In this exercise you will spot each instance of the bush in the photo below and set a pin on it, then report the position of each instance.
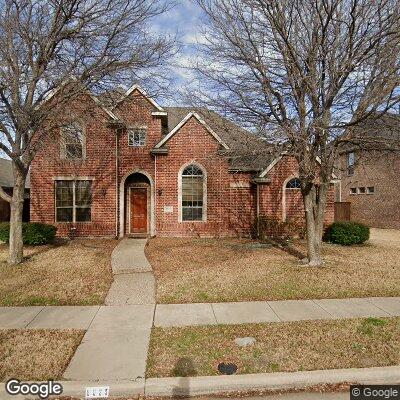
(346, 233)
(272, 227)
(33, 233)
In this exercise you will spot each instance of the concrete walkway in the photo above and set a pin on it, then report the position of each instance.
(165, 315)
(116, 342)
(134, 281)
(168, 315)
(115, 345)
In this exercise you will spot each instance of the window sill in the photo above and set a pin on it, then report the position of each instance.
(73, 223)
(193, 222)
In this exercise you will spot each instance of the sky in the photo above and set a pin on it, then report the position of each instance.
(183, 20)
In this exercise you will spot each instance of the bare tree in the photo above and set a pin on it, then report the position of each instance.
(305, 73)
(55, 50)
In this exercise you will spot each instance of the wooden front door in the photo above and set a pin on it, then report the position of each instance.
(138, 210)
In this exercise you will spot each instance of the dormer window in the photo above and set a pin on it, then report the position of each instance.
(137, 137)
(73, 141)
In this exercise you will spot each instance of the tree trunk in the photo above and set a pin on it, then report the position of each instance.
(17, 203)
(315, 205)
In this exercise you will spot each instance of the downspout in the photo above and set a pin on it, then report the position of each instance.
(155, 195)
(258, 209)
(116, 182)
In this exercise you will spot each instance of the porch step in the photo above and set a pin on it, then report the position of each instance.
(128, 257)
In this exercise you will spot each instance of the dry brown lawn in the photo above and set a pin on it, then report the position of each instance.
(74, 272)
(38, 354)
(283, 346)
(221, 270)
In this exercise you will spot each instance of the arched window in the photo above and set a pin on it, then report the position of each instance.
(293, 184)
(193, 196)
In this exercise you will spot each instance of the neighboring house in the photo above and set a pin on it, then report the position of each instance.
(135, 168)
(7, 183)
(370, 178)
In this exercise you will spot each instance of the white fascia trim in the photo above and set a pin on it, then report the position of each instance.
(183, 122)
(51, 94)
(159, 113)
(137, 87)
(270, 166)
(105, 109)
(54, 91)
(276, 160)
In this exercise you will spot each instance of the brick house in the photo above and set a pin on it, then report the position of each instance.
(135, 168)
(7, 183)
(370, 177)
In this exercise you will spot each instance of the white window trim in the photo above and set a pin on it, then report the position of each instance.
(63, 150)
(359, 192)
(367, 190)
(73, 200)
(292, 188)
(350, 167)
(132, 128)
(180, 213)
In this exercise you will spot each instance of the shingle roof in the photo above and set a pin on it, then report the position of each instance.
(6, 174)
(246, 150)
(374, 131)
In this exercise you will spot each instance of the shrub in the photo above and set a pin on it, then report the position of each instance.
(265, 226)
(272, 227)
(296, 227)
(33, 233)
(346, 233)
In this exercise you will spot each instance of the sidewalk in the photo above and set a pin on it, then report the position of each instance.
(168, 315)
(165, 315)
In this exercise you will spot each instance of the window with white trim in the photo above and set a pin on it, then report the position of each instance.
(192, 194)
(73, 200)
(73, 141)
(353, 190)
(351, 160)
(293, 184)
(361, 190)
(137, 137)
(371, 189)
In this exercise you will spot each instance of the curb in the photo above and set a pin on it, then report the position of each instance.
(206, 385)
(203, 385)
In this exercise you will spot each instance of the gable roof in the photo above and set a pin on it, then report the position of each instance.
(183, 122)
(6, 174)
(247, 151)
(142, 92)
(101, 104)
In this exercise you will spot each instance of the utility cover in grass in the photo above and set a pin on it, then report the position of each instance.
(227, 368)
(245, 341)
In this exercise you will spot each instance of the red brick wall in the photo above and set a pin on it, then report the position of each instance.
(271, 203)
(230, 210)
(231, 198)
(99, 165)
